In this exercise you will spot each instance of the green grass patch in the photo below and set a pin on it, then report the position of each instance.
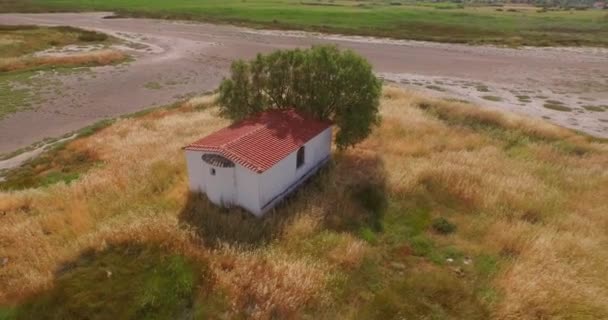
(368, 235)
(457, 100)
(492, 98)
(95, 127)
(14, 97)
(442, 225)
(556, 106)
(436, 88)
(126, 282)
(407, 275)
(439, 294)
(59, 164)
(17, 90)
(417, 21)
(595, 108)
(482, 88)
(405, 221)
(153, 86)
(571, 148)
(53, 177)
(7, 313)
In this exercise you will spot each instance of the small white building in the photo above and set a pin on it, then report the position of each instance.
(256, 162)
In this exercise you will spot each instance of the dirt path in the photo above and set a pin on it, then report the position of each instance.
(175, 59)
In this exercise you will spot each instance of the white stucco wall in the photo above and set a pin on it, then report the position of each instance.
(250, 190)
(195, 170)
(282, 175)
(221, 187)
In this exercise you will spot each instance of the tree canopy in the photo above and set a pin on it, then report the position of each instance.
(323, 81)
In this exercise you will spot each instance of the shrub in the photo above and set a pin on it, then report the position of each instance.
(557, 107)
(92, 36)
(17, 27)
(443, 226)
(492, 98)
(368, 235)
(323, 81)
(373, 199)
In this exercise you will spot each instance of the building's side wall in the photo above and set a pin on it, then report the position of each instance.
(248, 189)
(195, 170)
(276, 179)
(316, 149)
(282, 175)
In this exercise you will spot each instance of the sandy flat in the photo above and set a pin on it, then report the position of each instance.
(174, 59)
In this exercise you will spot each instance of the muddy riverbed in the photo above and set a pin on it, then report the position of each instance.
(171, 60)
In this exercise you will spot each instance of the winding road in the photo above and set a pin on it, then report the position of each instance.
(175, 59)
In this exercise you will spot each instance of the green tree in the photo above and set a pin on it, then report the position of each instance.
(322, 81)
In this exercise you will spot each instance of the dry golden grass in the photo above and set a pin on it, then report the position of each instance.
(96, 58)
(267, 282)
(200, 102)
(524, 190)
(544, 207)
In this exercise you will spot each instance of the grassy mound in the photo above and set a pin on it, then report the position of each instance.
(447, 211)
(22, 60)
(24, 40)
(19, 43)
(126, 282)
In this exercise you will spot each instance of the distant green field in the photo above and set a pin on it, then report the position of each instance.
(443, 22)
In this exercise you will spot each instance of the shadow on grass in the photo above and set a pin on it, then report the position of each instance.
(123, 282)
(347, 195)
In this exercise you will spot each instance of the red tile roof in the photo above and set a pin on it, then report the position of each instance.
(259, 142)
